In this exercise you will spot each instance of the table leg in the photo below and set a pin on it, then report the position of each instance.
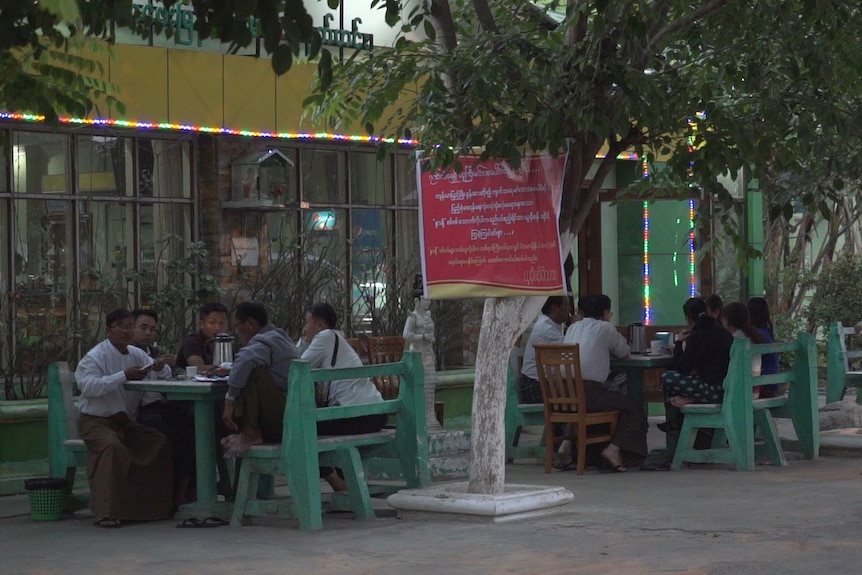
(635, 386)
(205, 452)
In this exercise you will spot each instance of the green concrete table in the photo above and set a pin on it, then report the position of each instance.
(634, 366)
(203, 395)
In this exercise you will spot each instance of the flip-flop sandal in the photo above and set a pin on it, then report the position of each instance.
(107, 523)
(192, 523)
(214, 522)
(571, 466)
(655, 467)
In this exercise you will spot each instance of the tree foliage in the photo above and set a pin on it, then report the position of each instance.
(777, 82)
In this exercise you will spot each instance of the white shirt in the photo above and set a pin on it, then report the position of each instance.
(344, 391)
(545, 330)
(756, 360)
(100, 376)
(599, 340)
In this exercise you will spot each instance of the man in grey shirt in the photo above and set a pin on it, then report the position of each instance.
(257, 385)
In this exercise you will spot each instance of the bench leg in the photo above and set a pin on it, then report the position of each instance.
(357, 489)
(247, 484)
(765, 426)
(684, 444)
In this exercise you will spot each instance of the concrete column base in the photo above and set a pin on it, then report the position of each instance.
(450, 501)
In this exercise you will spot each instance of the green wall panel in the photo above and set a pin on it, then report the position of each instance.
(669, 271)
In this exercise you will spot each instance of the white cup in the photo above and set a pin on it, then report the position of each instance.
(656, 347)
(191, 371)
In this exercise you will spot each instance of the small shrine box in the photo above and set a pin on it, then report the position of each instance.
(261, 176)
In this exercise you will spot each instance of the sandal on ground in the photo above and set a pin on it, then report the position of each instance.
(571, 465)
(192, 523)
(107, 522)
(664, 466)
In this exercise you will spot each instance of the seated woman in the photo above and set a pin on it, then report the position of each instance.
(701, 356)
(737, 321)
(758, 310)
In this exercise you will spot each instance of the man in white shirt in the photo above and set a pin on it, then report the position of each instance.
(547, 329)
(128, 464)
(598, 339)
(324, 347)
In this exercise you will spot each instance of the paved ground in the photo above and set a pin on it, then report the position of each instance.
(805, 518)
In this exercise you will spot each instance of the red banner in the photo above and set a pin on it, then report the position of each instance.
(491, 230)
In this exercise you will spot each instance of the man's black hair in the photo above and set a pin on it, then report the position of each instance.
(325, 312)
(150, 312)
(595, 305)
(251, 310)
(552, 301)
(116, 315)
(210, 308)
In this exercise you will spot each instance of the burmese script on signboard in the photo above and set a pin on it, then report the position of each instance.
(491, 230)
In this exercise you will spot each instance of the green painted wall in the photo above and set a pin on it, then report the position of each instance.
(668, 258)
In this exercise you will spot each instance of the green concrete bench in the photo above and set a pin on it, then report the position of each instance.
(302, 452)
(740, 419)
(838, 367)
(518, 415)
(66, 450)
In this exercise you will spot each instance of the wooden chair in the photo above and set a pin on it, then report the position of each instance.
(357, 346)
(385, 349)
(559, 368)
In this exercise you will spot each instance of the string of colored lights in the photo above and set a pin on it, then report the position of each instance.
(169, 126)
(692, 272)
(692, 277)
(130, 124)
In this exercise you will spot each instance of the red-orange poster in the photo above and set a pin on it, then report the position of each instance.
(491, 230)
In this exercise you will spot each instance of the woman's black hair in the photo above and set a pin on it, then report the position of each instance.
(758, 308)
(736, 316)
(695, 309)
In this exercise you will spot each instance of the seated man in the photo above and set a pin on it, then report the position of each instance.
(128, 464)
(547, 329)
(173, 418)
(197, 348)
(257, 385)
(323, 346)
(599, 340)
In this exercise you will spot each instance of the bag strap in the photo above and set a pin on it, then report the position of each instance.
(334, 350)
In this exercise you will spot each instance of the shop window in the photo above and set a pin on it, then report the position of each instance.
(40, 163)
(323, 176)
(104, 165)
(370, 179)
(165, 233)
(405, 180)
(163, 169)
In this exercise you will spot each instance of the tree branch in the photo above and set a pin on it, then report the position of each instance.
(485, 16)
(700, 13)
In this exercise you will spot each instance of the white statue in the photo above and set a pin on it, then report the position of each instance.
(419, 336)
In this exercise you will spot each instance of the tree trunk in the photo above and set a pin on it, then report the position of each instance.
(503, 320)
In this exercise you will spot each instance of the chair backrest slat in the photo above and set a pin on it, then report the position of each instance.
(559, 370)
(385, 349)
